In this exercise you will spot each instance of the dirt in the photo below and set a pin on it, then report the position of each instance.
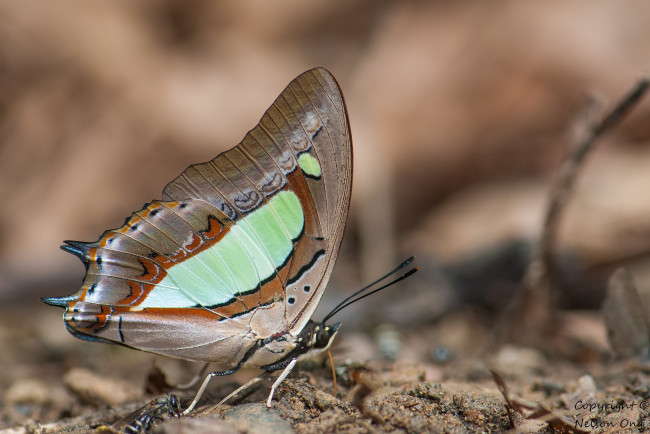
(81, 387)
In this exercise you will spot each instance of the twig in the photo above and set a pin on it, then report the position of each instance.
(329, 353)
(542, 265)
(533, 410)
(535, 305)
(503, 388)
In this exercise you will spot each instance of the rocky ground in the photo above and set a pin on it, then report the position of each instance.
(69, 386)
(461, 115)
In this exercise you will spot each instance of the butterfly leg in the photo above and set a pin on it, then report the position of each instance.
(205, 384)
(280, 379)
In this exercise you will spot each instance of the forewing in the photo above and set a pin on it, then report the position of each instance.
(301, 145)
(256, 229)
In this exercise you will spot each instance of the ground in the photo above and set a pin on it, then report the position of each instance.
(70, 386)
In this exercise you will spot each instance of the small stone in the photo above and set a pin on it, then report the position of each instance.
(532, 426)
(28, 391)
(519, 360)
(257, 419)
(94, 387)
(196, 425)
(585, 392)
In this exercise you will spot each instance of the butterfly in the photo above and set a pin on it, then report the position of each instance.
(230, 265)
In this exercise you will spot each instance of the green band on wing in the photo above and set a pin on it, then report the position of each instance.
(309, 165)
(248, 254)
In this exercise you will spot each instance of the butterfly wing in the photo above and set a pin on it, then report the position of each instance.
(240, 247)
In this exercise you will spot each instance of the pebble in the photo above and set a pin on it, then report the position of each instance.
(585, 392)
(28, 391)
(94, 387)
(519, 360)
(257, 419)
(196, 425)
(33, 391)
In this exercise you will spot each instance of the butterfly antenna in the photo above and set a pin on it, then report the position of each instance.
(395, 270)
(360, 293)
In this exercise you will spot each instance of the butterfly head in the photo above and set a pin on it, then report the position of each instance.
(312, 339)
(316, 337)
(324, 335)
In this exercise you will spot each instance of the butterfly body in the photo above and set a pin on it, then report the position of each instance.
(229, 266)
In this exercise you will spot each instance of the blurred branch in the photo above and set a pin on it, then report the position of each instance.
(542, 266)
(536, 304)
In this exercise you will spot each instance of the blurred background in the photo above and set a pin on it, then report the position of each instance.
(460, 113)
